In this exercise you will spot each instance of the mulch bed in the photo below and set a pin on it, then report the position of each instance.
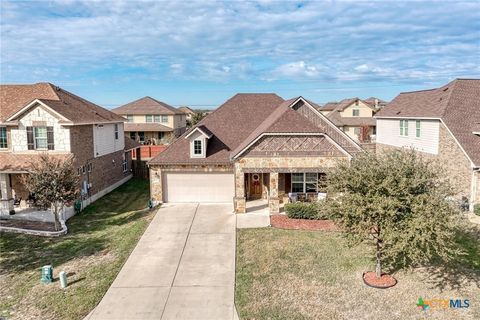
(384, 282)
(30, 225)
(283, 222)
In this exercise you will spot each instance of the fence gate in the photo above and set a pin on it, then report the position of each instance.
(140, 169)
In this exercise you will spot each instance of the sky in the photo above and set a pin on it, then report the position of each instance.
(200, 53)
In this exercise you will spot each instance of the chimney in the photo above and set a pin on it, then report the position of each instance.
(376, 103)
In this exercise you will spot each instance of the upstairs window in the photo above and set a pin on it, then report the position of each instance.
(148, 118)
(164, 119)
(116, 131)
(418, 125)
(355, 112)
(3, 138)
(156, 118)
(404, 128)
(197, 147)
(40, 138)
(130, 117)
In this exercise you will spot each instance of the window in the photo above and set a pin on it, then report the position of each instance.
(148, 118)
(132, 135)
(141, 136)
(161, 135)
(305, 182)
(40, 137)
(356, 112)
(89, 167)
(404, 128)
(124, 163)
(130, 117)
(3, 138)
(197, 147)
(164, 119)
(84, 169)
(116, 131)
(417, 128)
(156, 118)
(356, 131)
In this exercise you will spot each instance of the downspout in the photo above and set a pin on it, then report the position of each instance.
(474, 188)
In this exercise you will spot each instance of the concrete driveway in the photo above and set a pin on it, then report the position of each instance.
(183, 267)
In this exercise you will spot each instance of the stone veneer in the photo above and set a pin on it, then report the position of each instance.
(457, 166)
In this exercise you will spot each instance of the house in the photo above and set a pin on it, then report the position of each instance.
(188, 112)
(254, 146)
(150, 121)
(43, 118)
(354, 116)
(442, 123)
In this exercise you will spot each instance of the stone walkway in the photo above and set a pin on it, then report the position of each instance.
(183, 267)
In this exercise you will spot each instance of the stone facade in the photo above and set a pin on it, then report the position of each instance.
(156, 176)
(457, 167)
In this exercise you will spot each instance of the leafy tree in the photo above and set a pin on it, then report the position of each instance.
(397, 201)
(196, 118)
(53, 183)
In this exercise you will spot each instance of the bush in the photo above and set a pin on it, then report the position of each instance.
(307, 210)
(477, 209)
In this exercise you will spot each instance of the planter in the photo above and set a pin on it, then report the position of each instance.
(384, 282)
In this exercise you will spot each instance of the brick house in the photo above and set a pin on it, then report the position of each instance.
(43, 118)
(353, 115)
(152, 120)
(254, 146)
(443, 124)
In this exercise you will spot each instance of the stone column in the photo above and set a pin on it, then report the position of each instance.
(239, 202)
(156, 187)
(6, 190)
(273, 200)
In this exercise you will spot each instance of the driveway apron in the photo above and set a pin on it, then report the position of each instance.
(183, 267)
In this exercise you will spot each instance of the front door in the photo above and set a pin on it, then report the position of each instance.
(255, 185)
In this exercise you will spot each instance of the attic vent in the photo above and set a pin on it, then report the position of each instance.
(445, 89)
(57, 88)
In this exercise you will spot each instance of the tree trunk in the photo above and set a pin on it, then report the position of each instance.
(55, 215)
(378, 268)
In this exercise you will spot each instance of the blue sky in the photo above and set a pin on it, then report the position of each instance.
(201, 53)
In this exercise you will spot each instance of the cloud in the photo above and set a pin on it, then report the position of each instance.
(295, 70)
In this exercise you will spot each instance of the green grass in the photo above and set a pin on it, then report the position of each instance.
(287, 274)
(98, 242)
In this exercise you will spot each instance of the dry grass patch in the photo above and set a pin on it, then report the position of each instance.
(287, 274)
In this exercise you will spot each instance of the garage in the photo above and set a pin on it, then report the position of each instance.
(198, 187)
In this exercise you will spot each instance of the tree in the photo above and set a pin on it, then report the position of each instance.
(53, 183)
(398, 202)
(196, 118)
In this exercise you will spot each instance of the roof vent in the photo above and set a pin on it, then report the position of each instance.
(445, 89)
(57, 88)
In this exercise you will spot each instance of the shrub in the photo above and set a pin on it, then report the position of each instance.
(477, 209)
(307, 210)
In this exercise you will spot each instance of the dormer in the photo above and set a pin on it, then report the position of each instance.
(199, 141)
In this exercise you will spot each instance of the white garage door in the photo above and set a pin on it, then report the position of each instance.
(198, 187)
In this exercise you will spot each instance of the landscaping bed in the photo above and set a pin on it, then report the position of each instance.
(281, 221)
(29, 225)
(99, 241)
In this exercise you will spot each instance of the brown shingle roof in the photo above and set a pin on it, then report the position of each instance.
(457, 104)
(186, 110)
(146, 105)
(15, 162)
(340, 121)
(131, 144)
(13, 98)
(230, 124)
(129, 126)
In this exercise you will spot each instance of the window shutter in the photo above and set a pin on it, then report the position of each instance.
(30, 143)
(51, 144)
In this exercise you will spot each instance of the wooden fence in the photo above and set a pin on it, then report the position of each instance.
(140, 169)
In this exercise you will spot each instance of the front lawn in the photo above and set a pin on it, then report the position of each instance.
(288, 274)
(97, 244)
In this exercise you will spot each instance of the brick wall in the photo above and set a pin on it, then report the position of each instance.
(451, 157)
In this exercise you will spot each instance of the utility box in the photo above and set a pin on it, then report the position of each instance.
(47, 274)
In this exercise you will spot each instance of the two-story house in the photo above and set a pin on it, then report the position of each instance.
(150, 121)
(43, 118)
(443, 124)
(354, 116)
(189, 113)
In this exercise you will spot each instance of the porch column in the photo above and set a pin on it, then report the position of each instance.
(6, 205)
(239, 201)
(273, 200)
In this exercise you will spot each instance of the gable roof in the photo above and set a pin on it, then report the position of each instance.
(230, 124)
(186, 110)
(146, 105)
(456, 104)
(340, 121)
(341, 105)
(15, 98)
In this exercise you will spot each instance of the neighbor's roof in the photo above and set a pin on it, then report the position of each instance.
(131, 144)
(146, 105)
(230, 124)
(14, 98)
(340, 106)
(186, 110)
(340, 121)
(457, 104)
(149, 127)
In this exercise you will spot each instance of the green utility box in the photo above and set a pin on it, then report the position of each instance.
(47, 274)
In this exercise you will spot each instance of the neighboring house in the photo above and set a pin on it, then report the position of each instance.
(150, 120)
(254, 146)
(42, 118)
(188, 112)
(442, 123)
(354, 116)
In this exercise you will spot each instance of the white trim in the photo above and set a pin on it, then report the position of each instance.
(88, 123)
(201, 131)
(292, 134)
(476, 132)
(33, 103)
(410, 118)
(328, 121)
